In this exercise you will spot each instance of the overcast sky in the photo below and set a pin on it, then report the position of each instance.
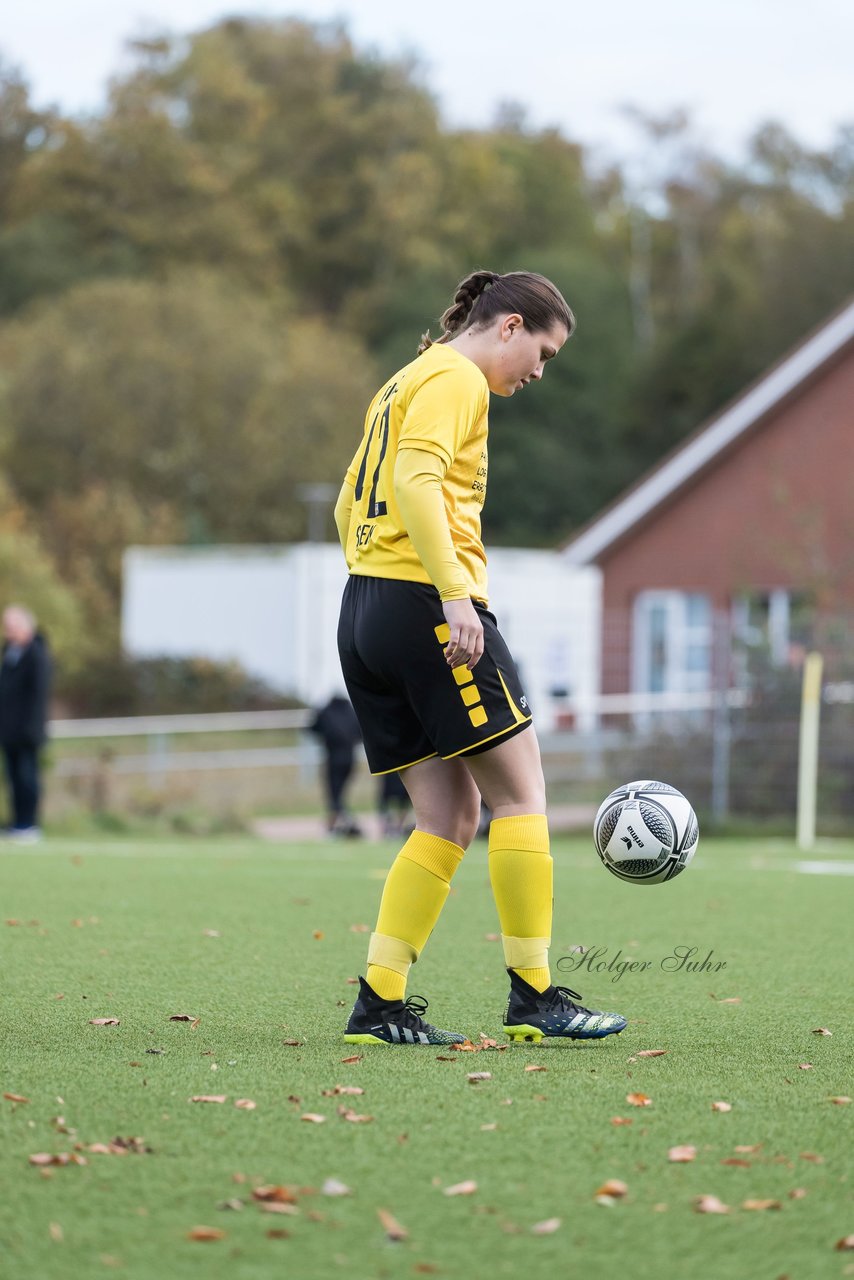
(733, 63)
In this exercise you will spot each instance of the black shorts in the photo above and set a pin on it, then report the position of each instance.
(411, 705)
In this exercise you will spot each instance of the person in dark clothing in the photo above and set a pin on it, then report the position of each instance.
(394, 806)
(25, 671)
(338, 729)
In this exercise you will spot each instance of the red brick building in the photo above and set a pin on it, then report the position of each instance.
(751, 519)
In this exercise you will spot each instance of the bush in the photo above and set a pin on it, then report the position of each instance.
(125, 686)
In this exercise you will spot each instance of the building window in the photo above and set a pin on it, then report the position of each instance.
(768, 621)
(672, 642)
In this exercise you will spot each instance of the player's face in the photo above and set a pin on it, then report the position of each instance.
(520, 355)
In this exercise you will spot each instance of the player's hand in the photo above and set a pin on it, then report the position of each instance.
(465, 646)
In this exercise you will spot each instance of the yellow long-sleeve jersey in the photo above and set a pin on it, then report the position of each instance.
(437, 405)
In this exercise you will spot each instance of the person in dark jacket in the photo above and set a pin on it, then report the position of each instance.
(338, 729)
(25, 671)
(394, 805)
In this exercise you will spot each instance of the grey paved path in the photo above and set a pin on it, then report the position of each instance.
(562, 818)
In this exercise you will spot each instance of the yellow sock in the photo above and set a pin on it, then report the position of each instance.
(520, 872)
(415, 891)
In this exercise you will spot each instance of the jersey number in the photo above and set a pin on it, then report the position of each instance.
(375, 506)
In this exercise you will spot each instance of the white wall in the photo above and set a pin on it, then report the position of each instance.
(548, 612)
(221, 603)
(275, 610)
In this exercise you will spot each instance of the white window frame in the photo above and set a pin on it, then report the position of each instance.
(679, 634)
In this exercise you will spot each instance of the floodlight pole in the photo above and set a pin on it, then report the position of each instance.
(808, 751)
(318, 498)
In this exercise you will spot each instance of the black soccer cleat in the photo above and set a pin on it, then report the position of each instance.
(377, 1021)
(553, 1013)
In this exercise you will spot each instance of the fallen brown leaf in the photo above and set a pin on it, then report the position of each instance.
(545, 1228)
(490, 937)
(209, 1097)
(822, 1031)
(104, 1022)
(274, 1193)
(465, 1047)
(277, 1233)
(332, 1187)
(15, 1097)
(650, 1053)
(278, 1206)
(486, 1043)
(797, 1193)
(847, 1242)
(295, 1043)
(211, 933)
(360, 928)
(682, 1155)
(351, 1090)
(731, 1000)
(55, 1232)
(474, 1076)
(737, 1163)
(722, 1106)
(710, 1204)
(347, 1113)
(840, 1101)
(442, 1058)
(233, 1204)
(812, 1157)
(313, 1118)
(747, 1151)
(532, 1066)
(391, 1226)
(61, 1158)
(613, 1189)
(355, 1057)
(488, 1128)
(135, 1145)
(638, 1100)
(467, 1188)
(246, 1104)
(318, 935)
(206, 1233)
(805, 1066)
(760, 1205)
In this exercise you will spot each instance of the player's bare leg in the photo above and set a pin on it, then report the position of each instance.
(447, 809)
(510, 778)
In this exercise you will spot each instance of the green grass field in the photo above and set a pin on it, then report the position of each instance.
(257, 941)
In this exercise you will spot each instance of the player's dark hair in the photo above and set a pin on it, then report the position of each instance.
(485, 295)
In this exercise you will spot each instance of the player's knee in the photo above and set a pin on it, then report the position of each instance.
(457, 822)
(469, 821)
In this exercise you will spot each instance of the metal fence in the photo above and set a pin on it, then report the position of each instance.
(730, 742)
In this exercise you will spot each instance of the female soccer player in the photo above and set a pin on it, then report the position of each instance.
(432, 681)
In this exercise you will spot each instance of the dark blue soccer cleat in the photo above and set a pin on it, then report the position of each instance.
(553, 1013)
(378, 1021)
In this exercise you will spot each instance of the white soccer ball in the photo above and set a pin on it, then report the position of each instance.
(646, 832)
